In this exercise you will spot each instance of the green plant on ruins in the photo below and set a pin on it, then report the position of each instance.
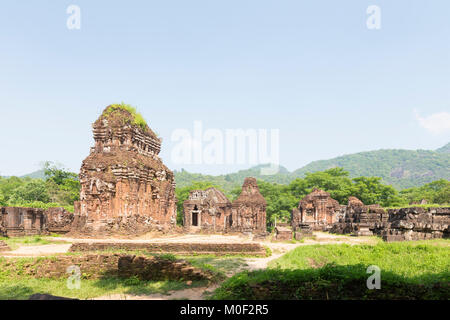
(138, 119)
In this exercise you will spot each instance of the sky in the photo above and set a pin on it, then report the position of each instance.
(311, 69)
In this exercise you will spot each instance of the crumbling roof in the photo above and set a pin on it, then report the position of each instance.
(210, 195)
(250, 193)
(316, 195)
(120, 115)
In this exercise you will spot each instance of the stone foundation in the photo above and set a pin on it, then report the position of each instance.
(302, 231)
(4, 246)
(254, 249)
(283, 233)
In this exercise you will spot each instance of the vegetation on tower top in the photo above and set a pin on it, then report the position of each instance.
(122, 113)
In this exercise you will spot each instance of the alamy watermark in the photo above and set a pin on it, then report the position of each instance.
(229, 146)
(74, 20)
(74, 280)
(373, 21)
(374, 281)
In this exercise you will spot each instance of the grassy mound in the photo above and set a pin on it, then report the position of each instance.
(122, 113)
(408, 271)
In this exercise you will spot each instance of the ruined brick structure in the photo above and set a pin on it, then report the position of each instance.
(125, 187)
(58, 220)
(318, 210)
(210, 211)
(207, 210)
(249, 209)
(283, 232)
(17, 221)
(417, 224)
(359, 219)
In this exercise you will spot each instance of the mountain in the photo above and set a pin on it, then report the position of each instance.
(400, 168)
(232, 180)
(40, 174)
(444, 149)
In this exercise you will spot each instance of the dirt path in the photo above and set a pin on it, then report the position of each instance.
(37, 251)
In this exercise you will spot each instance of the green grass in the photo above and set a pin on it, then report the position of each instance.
(409, 270)
(407, 259)
(13, 288)
(16, 242)
(138, 119)
(16, 284)
(219, 265)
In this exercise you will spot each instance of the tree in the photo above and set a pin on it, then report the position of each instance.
(370, 190)
(57, 174)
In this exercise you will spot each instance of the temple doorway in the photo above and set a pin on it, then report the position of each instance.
(195, 217)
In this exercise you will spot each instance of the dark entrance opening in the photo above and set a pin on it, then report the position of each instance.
(195, 217)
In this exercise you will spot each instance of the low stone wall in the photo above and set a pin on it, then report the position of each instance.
(179, 248)
(4, 246)
(283, 233)
(303, 230)
(417, 224)
(18, 221)
(118, 265)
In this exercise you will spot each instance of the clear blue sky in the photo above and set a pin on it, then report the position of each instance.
(309, 68)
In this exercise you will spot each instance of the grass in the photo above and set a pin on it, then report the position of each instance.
(16, 284)
(23, 287)
(138, 119)
(409, 270)
(16, 242)
(219, 265)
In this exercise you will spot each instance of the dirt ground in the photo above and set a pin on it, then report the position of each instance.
(199, 293)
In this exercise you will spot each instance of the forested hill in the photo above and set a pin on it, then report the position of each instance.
(400, 168)
(232, 180)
